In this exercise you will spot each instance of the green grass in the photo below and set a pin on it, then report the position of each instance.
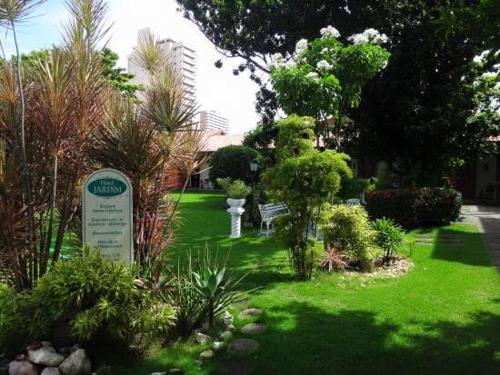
(442, 317)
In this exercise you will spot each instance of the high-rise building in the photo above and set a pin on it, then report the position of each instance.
(181, 57)
(211, 120)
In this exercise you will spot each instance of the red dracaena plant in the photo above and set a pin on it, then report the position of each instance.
(147, 141)
(64, 104)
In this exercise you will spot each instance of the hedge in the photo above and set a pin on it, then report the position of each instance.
(414, 208)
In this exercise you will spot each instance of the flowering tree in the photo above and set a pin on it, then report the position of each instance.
(324, 78)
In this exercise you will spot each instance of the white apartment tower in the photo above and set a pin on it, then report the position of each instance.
(211, 120)
(182, 58)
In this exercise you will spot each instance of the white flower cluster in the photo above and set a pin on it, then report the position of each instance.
(312, 75)
(368, 36)
(480, 59)
(278, 61)
(301, 47)
(324, 65)
(329, 31)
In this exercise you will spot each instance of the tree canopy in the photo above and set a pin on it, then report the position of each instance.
(416, 115)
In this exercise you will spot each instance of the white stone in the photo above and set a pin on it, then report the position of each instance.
(77, 363)
(207, 354)
(228, 335)
(51, 371)
(201, 338)
(218, 345)
(254, 328)
(45, 356)
(22, 368)
(250, 312)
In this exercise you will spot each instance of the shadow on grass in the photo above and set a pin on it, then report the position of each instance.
(462, 247)
(303, 339)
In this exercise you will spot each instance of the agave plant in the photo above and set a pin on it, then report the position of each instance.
(216, 288)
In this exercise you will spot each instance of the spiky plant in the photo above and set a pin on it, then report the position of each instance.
(333, 260)
(13, 12)
(64, 104)
(143, 141)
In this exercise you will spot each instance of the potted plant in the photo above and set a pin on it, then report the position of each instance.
(236, 191)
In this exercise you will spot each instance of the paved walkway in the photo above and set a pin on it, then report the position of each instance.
(487, 219)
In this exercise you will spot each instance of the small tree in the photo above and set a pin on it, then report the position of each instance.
(324, 79)
(233, 162)
(307, 180)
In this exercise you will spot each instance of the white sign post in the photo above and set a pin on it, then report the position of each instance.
(107, 215)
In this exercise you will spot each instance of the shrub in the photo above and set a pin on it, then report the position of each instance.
(305, 179)
(98, 299)
(233, 162)
(11, 322)
(389, 236)
(346, 230)
(234, 189)
(413, 208)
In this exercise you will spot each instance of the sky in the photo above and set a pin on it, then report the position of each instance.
(218, 89)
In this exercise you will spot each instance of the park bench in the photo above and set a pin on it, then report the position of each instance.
(353, 202)
(271, 211)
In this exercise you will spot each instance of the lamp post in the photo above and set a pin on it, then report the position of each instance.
(254, 166)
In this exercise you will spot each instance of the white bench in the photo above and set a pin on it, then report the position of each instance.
(353, 202)
(270, 211)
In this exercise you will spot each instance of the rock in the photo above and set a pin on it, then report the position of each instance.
(218, 345)
(51, 371)
(250, 312)
(45, 356)
(65, 351)
(230, 327)
(77, 363)
(243, 346)
(254, 328)
(74, 348)
(201, 338)
(22, 368)
(228, 318)
(207, 354)
(227, 335)
(175, 371)
(159, 373)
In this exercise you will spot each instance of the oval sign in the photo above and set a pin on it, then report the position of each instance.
(107, 187)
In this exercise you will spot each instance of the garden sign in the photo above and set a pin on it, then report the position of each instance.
(107, 214)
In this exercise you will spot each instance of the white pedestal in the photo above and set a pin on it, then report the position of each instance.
(236, 213)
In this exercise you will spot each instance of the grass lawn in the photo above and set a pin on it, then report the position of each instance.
(442, 317)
